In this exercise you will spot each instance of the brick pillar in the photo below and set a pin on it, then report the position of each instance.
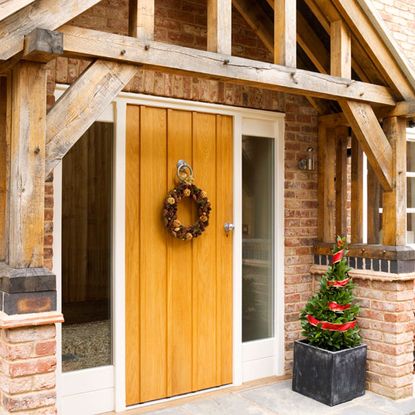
(27, 377)
(386, 322)
(387, 327)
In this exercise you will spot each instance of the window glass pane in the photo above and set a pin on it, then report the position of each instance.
(410, 156)
(410, 235)
(411, 191)
(86, 250)
(258, 237)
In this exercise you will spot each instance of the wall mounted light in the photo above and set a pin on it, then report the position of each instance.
(308, 162)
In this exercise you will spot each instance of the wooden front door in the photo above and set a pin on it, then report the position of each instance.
(178, 293)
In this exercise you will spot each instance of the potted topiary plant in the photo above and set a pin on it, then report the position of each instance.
(330, 364)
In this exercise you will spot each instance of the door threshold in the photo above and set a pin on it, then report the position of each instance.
(206, 393)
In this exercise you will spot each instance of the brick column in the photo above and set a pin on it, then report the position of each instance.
(386, 322)
(27, 341)
(387, 327)
(28, 362)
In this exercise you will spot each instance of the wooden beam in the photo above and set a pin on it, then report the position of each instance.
(341, 136)
(356, 211)
(340, 50)
(43, 45)
(402, 109)
(330, 15)
(375, 47)
(262, 25)
(3, 167)
(9, 7)
(27, 166)
(333, 120)
(258, 20)
(177, 59)
(394, 202)
(372, 140)
(141, 19)
(47, 14)
(312, 45)
(373, 204)
(326, 184)
(219, 26)
(285, 33)
(81, 104)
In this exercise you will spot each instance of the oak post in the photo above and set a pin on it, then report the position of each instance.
(27, 165)
(342, 134)
(340, 50)
(326, 184)
(394, 202)
(3, 167)
(373, 204)
(356, 219)
(141, 19)
(219, 26)
(285, 33)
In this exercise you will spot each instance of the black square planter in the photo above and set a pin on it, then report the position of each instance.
(329, 377)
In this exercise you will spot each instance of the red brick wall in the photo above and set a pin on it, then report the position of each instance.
(399, 16)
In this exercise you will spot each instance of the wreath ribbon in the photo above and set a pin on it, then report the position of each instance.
(325, 325)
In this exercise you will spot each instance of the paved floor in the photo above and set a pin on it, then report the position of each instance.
(279, 399)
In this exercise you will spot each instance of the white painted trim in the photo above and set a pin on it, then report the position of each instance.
(119, 255)
(97, 392)
(237, 251)
(266, 357)
(274, 123)
(364, 198)
(87, 380)
(57, 270)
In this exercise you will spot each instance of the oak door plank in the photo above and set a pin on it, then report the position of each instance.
(179, 263)
(204, 259)
(153, 261)
(132, 249)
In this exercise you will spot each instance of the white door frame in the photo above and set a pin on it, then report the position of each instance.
(246, 122)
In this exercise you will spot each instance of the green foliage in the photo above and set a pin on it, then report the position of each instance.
(317, 307)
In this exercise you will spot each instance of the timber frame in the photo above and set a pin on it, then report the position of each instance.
(359, 75)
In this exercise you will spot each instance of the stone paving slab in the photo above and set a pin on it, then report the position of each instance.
(279, 399)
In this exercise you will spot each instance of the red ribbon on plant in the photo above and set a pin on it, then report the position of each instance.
(340, 283)
(325, 325)
(333, 306)
(337, 257)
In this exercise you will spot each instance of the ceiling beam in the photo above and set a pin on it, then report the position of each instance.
(178, 59)
(46, 14)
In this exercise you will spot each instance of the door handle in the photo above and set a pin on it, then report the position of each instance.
(229, 227)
